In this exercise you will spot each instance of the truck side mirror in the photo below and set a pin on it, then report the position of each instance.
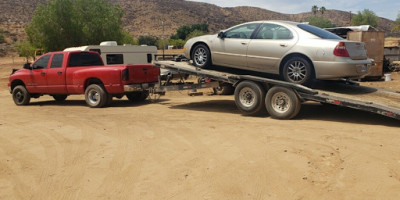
(27, 66)
(221, 35)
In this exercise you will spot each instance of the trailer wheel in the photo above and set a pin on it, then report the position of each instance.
(282, 103)
(95, 96)
(137, 96)
(201, 56)
(60, 97)
(224, 89)
(20, 95)
(249, 98)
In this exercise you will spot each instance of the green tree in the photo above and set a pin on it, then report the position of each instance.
(195, 33)
(64, 23)
(147, 40)
(25, 49)
(397, 27)
(322, 10)
(320, 22)
(185, 30)
(314, 9)
(366, 17)
(179, 43)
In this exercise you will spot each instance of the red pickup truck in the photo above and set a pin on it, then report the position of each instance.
(60, 74)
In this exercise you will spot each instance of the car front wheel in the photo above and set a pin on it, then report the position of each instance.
(201, 56)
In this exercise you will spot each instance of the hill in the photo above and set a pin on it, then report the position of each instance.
(145, 17)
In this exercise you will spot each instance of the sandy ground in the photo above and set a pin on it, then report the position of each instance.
(182, 147)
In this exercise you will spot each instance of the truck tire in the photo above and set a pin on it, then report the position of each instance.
(249, 98)
(224, 89)
(20, 95)
(201, 56)
(60, 97)
(297, 70)
(95, 96)
(282, 103)
(137, 96)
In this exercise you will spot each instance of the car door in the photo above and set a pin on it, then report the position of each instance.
(39, 75)
(268, 47)
(230, 49)
(56, 75)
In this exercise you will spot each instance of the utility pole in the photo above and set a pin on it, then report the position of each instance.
(162, 37)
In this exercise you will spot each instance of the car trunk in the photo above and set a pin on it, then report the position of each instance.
(356, 50)
(143, 73)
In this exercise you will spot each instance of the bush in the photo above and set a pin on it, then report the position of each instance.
(25, 49)
(366, 17)
(147, 40)
(320, 22)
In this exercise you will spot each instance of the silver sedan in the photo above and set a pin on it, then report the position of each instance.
(297, 52)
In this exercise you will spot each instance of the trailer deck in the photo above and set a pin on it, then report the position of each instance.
(376, 100)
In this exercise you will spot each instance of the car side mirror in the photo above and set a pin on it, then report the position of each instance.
(221, 35)
(27, 66)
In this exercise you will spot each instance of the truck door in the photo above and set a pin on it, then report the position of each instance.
(56, 75)
(39, 75)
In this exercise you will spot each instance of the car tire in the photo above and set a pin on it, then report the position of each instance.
(95, 96)
(137, 96)
(60, 97)
(201, 56)
(297, 70)
(21, 96)
(282, 103)
(249, 98)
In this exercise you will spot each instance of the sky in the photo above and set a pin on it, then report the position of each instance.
(383, 8)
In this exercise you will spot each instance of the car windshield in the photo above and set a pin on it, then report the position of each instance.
(318, 32)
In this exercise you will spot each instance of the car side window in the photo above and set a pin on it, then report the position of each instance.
(57, 60)
(244, 31)
(274, 32)
(42, 62)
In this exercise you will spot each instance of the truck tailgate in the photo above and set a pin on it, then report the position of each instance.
(143, 73)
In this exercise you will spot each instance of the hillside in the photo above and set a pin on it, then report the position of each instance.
(144, 17)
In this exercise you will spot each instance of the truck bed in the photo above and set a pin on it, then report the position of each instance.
(376, 100)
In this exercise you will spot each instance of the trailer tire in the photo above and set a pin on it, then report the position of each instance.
(201, 56)
(282, 103)
(137, 96)
(249, 98)
(21, 96)
(95, 96)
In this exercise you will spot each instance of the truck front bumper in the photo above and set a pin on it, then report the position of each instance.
(138, 87)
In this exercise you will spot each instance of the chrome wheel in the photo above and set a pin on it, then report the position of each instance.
(297, 71)
(200, 56)
(280, 102)
(93, 96)
(247, 97)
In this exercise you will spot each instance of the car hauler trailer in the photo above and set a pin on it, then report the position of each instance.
(282, 100)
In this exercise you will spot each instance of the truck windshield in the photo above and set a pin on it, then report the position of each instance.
(84, 59)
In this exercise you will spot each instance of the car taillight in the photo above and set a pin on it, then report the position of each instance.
(340, 50)
(125, 74)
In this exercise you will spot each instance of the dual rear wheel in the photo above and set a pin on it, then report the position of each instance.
(280, 102)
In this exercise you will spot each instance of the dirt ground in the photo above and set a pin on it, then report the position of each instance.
(183, 147)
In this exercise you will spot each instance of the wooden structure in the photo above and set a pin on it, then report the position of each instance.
(374, 43)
